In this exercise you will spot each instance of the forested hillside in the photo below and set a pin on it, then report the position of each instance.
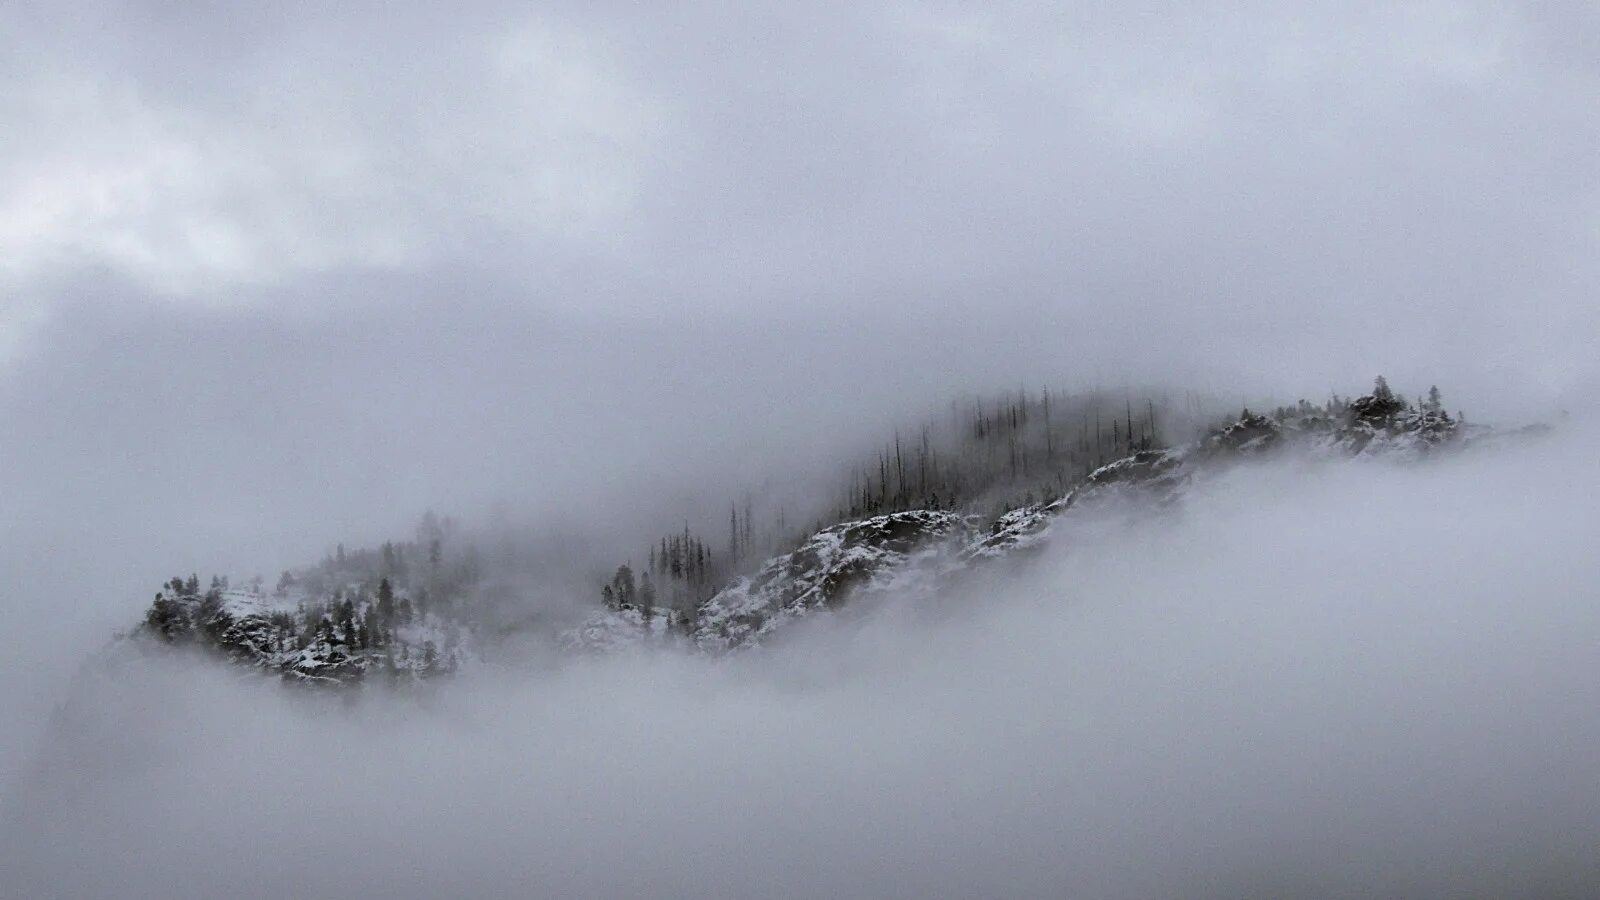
(986, 458)
(979, 484)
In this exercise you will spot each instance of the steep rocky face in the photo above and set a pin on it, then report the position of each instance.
(833, 567)
(827, 571)
(1250, 434)
(1157, 473)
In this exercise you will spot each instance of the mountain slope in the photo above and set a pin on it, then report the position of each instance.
(394, 616)
(913, 552)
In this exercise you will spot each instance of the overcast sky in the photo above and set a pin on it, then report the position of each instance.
(277, 275)
(1260, 174)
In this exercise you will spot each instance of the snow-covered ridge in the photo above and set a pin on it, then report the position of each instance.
(335, 637)
(912, 552)
(398, 619)
(828, 570)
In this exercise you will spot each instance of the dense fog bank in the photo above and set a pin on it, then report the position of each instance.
(1310, 678)
(279, 278)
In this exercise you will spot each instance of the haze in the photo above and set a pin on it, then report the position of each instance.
(272, 279)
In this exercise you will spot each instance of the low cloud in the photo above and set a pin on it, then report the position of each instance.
(276, 278)
(1310, 679)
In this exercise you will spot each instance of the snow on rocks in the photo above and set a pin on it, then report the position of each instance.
(825, 572)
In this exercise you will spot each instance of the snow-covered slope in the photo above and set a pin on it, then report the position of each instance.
(339, 637)
(911, 553)
(344, 628)
(833, 567)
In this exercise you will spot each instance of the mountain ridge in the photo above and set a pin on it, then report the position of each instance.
(921, 548)
(405, 615)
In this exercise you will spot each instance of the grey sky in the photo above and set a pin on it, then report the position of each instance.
(275, 275)
(1229, 171)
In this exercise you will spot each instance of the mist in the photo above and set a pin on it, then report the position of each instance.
(1376, 679)
(281, 279)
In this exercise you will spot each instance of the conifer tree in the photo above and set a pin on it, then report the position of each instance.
(622, 586)
(385, 601)
(347, 622)
(168, 618)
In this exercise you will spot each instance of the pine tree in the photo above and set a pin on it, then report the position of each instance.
(622, 586)
(168, 618)
(744, 523)
(1381, 405)
(385, 601)
(209, 615)
(647, 593)
(347, 622)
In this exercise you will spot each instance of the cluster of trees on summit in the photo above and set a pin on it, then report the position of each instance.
(987, 457)
(355, 609)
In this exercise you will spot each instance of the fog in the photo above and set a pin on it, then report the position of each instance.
(1314, 679)
(276, 279)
